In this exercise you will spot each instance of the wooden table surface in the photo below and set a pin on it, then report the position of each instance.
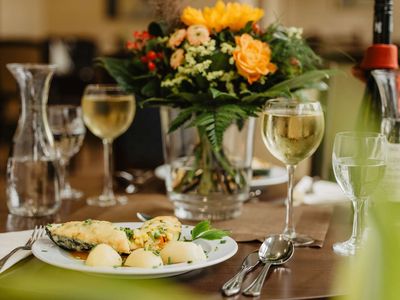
(309, 275)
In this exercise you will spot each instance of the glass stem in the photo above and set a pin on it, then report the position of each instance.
(357, 220)
(289, 226)
(108, 169)
(66, 185)
(62, 174)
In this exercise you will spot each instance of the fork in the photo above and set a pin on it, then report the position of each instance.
(37, 233)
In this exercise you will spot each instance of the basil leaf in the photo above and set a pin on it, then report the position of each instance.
(200, 228)
(213, 234)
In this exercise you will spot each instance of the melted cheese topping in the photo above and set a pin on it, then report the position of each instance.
(94, 232)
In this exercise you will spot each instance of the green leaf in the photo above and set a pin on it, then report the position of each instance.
(119, 69)
(158, 28)
(218, 95)
(213, 234)
(204, 230)
(203, 119)
(184, 116)
(200, 228)
(302, 80)
(220, 61)
(150, 88)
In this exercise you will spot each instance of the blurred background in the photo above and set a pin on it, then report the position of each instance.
(72, 33)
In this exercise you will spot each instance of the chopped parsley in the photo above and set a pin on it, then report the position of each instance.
(156, 234)
(169, 262)
(128, 232)
(88, 222)
(190, 261)
(222, 241)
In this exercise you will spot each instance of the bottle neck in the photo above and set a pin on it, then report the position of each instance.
(383, 22)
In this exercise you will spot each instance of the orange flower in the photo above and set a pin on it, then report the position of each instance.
(177, 58)
(252, 58)
(177, 38)
(197, 35)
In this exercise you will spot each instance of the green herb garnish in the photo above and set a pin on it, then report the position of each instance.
(204, 230)
(169, 262)
(128, 232)
(88, 222)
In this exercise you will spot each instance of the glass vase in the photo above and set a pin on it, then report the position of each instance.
(32, 178)
(203, 183)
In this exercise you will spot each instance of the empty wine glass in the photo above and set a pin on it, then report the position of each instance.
(292, 131)
(68, 130)
(108, 111)
(359, 160)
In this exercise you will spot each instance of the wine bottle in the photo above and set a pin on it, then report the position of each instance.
(371, 110)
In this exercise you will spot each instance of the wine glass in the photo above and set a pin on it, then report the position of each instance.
(107, 111)
(292, 131)
(68, 130)
(359, 160)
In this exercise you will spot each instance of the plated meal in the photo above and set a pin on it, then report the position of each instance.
(159, 247)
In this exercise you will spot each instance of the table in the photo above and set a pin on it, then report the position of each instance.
(309, 275)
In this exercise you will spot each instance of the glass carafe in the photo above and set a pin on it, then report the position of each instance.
(32, 180)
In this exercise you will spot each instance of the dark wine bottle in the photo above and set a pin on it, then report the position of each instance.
(383, 22)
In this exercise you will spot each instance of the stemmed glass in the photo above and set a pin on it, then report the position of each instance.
(107, 111)
(359, 160)
(292, 131)
(68, 130)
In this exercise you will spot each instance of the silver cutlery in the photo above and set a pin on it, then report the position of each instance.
(130, 180)
(233, 285)
(143, 217)
(275, 250)
(37, 233)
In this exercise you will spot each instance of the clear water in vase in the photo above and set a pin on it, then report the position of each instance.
(33, 187)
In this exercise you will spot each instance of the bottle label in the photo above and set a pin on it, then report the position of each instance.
(391, 180)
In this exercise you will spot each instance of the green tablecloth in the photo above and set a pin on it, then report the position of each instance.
(32, 279)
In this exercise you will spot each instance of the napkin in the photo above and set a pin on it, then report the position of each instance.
(313, 192)
(11, 240)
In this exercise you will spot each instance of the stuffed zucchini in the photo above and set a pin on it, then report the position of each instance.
(84, 235)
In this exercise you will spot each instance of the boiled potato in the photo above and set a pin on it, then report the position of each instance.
(143, 259)
(103, 255)
(177, 252)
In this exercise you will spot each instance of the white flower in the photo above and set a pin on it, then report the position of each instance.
(227, 48)
(295, 32)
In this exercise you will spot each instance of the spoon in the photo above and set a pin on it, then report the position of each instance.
(125, 180)
(275, 250)
(143, 217)
(233, 285)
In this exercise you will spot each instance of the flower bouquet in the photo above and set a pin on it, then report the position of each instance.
(218, 68)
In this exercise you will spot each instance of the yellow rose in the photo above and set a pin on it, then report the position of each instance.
(252, 58)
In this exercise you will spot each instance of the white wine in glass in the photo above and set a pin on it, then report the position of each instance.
(108, 111)
(292, 131)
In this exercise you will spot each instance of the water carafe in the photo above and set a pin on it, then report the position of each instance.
(32, 179)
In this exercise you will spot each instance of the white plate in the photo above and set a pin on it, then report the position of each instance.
(45, 250)
(277, 175)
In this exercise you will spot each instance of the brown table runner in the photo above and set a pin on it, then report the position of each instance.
(258, 219)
